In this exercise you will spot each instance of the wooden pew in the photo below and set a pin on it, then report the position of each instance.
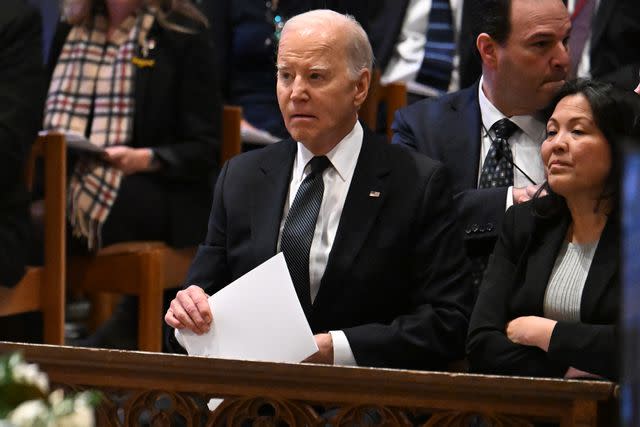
(393, 94)
(313, 395)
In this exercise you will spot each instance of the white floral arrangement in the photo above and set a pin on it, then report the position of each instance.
(25, 400)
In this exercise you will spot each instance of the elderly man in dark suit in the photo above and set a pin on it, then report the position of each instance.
(489, 136)
(21, 95)
(377, 264)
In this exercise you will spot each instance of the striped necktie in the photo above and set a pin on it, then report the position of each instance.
(436, 67)
(299, 227)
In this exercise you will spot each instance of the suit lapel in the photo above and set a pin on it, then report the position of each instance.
(274, 172)
(143, 75)
(603, 267)
(542, 260)
(461, 136)
(359, 213)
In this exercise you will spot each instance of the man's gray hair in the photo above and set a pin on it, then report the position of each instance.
(359, 51)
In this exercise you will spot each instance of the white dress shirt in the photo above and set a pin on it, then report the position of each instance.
(336, 179)
(525, 144)
(584, 66)
(409, 51)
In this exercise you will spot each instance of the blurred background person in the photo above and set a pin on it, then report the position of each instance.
(246, 35)
(548, 303)
(136, 77)
(599, 45)
(424, 43)
(21, 95)
(50, 12)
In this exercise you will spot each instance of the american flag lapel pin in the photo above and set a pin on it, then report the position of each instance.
(374, 194)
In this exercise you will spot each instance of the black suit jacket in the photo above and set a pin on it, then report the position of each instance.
(614, 57)
(386, 28)
(178, 113)
(396, 281)
(447, 129)
(514, 285)
(21, 95)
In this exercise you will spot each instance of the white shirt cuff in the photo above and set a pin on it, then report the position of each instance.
(342, 354)
(509, 198)
(178, 335)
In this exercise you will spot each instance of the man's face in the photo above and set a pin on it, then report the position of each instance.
(533, 62)
(318, 98)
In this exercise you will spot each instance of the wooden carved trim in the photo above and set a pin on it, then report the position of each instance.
(262, 411)
(465, 419)
(369, 415)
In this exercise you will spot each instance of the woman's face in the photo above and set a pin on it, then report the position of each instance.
(576, 154)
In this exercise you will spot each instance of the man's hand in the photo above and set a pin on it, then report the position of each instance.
(522, 194)
(190, 310)
(325, 350)
(129, 160)
(531, 330)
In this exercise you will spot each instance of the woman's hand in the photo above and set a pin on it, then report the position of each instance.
(129, 160)
(534, 331)
(577, 373)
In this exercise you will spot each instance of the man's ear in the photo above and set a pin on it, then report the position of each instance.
(362, 87)
(488, 49)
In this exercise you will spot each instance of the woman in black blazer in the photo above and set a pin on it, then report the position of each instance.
(536, 315)
(137, 78)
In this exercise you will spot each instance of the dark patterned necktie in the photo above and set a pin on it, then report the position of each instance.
(297, 233)
(497, 169)
(436, 67)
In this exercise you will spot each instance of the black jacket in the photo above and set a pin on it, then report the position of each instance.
(514, 285)
(396, 279)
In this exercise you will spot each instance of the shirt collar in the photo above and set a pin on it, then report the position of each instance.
(529, 124)
(343, 156)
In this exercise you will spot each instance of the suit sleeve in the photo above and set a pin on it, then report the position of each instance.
(402, 131)
(200, 111)
(587, 347)
(480, 210)
(489, 350)
(209, 268)
(433, 330)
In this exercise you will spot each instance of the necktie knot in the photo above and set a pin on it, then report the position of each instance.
(504, 128)
(318, 165)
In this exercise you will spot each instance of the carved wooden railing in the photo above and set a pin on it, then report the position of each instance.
(166, 390)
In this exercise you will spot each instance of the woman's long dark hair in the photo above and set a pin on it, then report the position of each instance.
(615, 113)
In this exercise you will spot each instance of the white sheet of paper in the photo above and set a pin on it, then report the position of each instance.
(257, 136)
(79, 142)
(256, 317)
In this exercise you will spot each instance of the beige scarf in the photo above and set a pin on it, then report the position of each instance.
(93, 84)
